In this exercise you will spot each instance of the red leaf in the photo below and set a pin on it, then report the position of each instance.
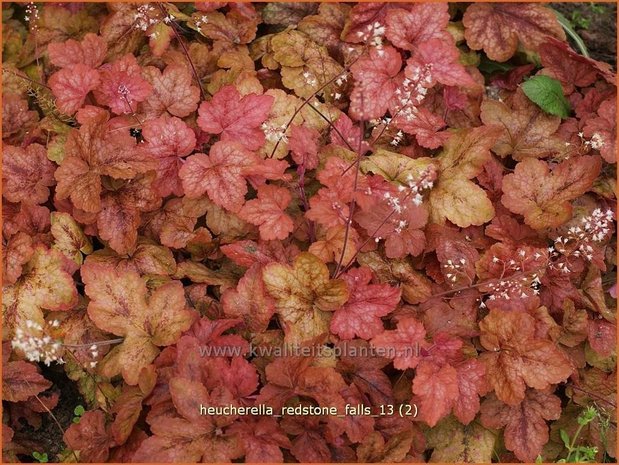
(526, 431)
(168, 139)
(516, 358)
(16, 116)
(543, 196)
(246, 253)
(375, 82)
(241, 379)
(26, 174)
(471, 384)
(15, 254)
(262, 438)
(407, 29)
(220, 174)
(603, 130)
(402, 231)
(122, 85)
(436, 390)
(173, 91)
(90, 437)
(425, 126)
(121, 211)
(360, 366)
(20, 380)
(442, 59)
(90, 52)
(268, 212)
(235, 117)
(570, 68)
(303, 144)
(361, 315)
(403, 344)
(362, 18)
(71, 85)
(457, 259)
(351, 133)
(602, 336)
(93, 151)
(250, 301)
(498, 28)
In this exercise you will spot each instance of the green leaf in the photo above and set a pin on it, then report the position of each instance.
(41, 458)
(488, 67)
(565, 438)
(567, 27)
(79, 410)
(547, 94)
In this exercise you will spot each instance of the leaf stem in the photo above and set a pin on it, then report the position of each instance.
(353, 204)
(53, 417)
(307, 101)
(185, 51)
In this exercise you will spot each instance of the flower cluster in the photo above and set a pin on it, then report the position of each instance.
(453, 269)
(145, 17)
(373, 35)
(416, 187)
(32, 15)
(35, 346)
(579, 241)
(412, 93)
(274, 133)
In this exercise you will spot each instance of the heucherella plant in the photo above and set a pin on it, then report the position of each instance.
(218, 216)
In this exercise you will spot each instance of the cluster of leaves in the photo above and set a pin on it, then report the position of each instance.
(378, 177)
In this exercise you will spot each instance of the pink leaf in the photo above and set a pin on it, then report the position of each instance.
(71, 85)
(375, 82)
(361, 315)
(234, 117)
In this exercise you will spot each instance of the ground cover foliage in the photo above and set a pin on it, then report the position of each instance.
(357, 180)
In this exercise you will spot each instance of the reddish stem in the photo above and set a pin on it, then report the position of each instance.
(185, 51)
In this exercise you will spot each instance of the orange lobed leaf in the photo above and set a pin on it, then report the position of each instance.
(122, 85)
(375, 82)
(71, 86)
(234, 117)
(15, 254)
(403, 344)
(27, 174)
(90, 437)
(517, 358)
(528, 132)
(168, 139)
(220, 174)
(361, 315)
(603, 130)
(304, 295)
(90, 52)
(93, 151)
(525, 429)
(250, 300)
(44, 284)
(268, 212)
(173, 91)
(543, 196)
(119, 305)
(498, 28)
(409, 28)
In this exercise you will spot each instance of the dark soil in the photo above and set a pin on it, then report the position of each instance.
(596, 23)
(48, 438)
